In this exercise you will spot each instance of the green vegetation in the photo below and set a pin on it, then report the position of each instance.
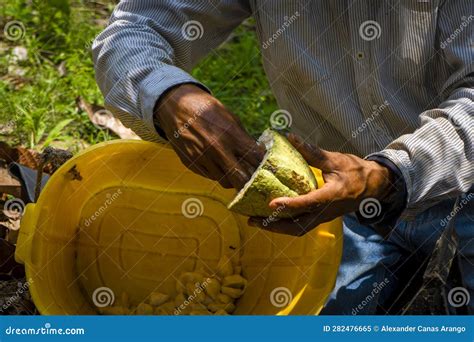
(235, 74)
(38, 90)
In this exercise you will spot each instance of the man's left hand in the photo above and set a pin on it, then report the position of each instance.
(348, 181)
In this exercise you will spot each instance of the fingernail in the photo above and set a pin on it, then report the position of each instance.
(293, 136)
(274, 205)
(281, 202)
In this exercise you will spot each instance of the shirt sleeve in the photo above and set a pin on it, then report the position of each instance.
(436, 159)
(392, 206)
(149, 46)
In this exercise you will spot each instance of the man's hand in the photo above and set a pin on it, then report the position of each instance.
(208, 138)
(348, 181)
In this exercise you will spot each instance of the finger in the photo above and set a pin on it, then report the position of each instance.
(219, 175)
(249, 168)
(233, 170)
(232, 179)
(253, 156)
(252, 152)
(234, 173)
(194, 167)
(313, 155)
(237, 177)
(215, 173)
(308, 202)
(250, 159)
(191, 163)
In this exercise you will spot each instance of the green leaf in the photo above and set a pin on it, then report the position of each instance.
(56, 133)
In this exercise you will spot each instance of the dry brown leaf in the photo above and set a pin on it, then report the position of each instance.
(103, 118)
(24, 156)
(16, 82)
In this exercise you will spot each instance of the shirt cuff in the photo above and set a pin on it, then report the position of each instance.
(156, 84)
(403, 162)
(392, 205)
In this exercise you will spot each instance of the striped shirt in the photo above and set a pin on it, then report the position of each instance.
(393, 79)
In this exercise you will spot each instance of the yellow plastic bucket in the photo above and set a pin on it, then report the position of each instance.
(128, 216)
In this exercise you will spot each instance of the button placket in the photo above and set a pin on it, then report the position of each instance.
(361, 50)
(381, 132)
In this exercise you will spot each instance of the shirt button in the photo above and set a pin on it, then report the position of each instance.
(360, 55)
(379, 130)
(383, 133)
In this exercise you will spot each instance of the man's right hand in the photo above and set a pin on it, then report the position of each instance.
(208, 138)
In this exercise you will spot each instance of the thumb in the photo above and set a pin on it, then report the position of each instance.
(308, 202)
(313, 155)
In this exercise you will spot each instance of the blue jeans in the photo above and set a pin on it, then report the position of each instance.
(369, 274)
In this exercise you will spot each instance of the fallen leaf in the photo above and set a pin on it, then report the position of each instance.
(24, 156)
(62, 71)
(8, 184)
(103, 118)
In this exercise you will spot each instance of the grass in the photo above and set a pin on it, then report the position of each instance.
(37, 98)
